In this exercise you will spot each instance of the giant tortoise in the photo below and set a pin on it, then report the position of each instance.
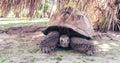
(72, 23)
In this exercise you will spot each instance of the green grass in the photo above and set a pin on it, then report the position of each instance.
(19, 19)
(57, 58)
(3, 60)
(10, 19)
(22, 24)
(90, 59)
(32, 59)
(84, 61)
(13, 22)
(74, 62)
(34, 50)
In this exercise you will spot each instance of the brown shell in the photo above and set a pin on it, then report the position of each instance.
(74, 19)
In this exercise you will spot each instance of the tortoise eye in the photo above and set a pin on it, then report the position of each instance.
(68, 41)
(61, 40)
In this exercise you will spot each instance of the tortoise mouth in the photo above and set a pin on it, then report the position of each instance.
(64, 31)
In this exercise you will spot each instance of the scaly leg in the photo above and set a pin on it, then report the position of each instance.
(83, 45)
(49, 43)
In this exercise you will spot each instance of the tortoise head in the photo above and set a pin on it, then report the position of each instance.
(64, 41)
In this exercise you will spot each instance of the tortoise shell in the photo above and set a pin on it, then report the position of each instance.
(72, 19)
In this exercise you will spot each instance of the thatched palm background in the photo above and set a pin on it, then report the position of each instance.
(105, 14)
(18, 5)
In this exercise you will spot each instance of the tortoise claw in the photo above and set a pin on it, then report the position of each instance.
(90, 53)
(47, 49)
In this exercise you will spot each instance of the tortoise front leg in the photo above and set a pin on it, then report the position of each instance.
(82, 45)
(49, 43)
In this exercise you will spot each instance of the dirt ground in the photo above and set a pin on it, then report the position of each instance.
(23, 47)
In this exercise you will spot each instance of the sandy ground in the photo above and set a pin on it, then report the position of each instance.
(24, 48)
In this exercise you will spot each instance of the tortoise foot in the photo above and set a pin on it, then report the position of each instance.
(49, 42)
